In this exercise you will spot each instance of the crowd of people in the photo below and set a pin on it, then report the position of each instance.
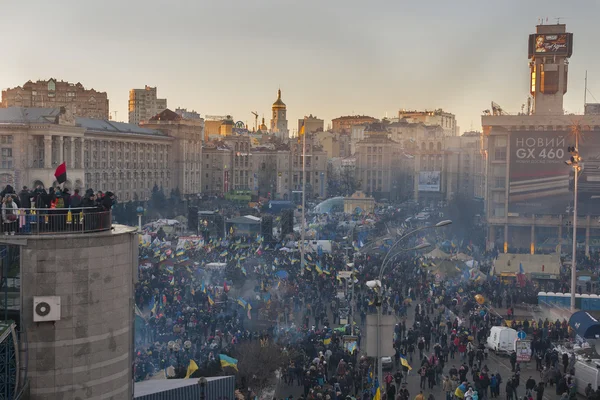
(193, 311)
(47, 209)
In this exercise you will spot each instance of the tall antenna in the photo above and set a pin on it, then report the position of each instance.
(585, 91)
(558, 20)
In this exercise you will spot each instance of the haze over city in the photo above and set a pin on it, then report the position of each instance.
(329, 58)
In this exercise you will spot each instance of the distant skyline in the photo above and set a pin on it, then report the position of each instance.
(329, 58)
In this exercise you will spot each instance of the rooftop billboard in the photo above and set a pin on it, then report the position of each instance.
(541, 182)
(551, 44)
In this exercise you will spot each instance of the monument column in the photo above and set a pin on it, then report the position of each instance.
(48, 151)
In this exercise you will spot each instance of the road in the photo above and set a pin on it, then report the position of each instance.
(495, 364)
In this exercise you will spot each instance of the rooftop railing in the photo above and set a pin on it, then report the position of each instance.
(54, 221)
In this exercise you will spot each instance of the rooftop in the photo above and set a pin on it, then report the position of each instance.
(35, 115)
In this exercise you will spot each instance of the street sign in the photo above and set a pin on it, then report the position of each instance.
(521, 335)
(523, 350)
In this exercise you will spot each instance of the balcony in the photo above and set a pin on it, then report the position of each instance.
(55, 221)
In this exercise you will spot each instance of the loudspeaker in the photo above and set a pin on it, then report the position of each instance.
(193, 219)
(287, 222)
(266, 228)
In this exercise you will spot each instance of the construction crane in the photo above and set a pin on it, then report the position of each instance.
(255, 113)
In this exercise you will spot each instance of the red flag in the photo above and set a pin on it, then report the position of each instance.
(61, 173)
(225, 287)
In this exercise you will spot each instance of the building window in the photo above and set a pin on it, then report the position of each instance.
(7, 139)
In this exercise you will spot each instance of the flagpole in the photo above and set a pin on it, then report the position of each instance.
(303, 203)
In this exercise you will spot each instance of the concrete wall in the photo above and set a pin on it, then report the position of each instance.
(88, 353)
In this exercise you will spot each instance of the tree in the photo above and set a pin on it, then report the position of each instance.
(257, 364)
(158, 200)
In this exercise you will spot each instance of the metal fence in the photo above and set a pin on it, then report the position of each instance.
(43, 221)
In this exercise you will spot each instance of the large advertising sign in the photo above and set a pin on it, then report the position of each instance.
(541, 182)
(429, 181)
(555, 44)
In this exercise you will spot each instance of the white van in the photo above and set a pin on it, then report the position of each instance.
(502, 339)
(587, 372)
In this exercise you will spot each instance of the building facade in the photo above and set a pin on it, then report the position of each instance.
(279, 124)
(437, 117)
(103, 155)
(186, 149)
(311, 124)
(344, 124)
(52, 93)
(529, 191)
(377, 166)
(144, 104)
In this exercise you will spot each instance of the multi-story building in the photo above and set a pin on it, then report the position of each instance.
(335, 144)
(529, 189)
(465, 165)
(279, 124)
(185, 114)
(144, 104)
(311, 124)
(186, 150)
(344, 124)
(315, 167)
(103, 155)
(216, 168)
(377, 166)
(52, 93)
(242, 170)
(271, 170)
(435, 117)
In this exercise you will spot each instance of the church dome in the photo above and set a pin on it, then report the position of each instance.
(278, 103)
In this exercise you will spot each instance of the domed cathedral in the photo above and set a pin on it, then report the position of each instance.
(279, 126)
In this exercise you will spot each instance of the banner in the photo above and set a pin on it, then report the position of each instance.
(429, 181)
(539, 180)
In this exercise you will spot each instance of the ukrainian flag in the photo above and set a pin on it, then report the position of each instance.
(404, 362)
(224, 254)
(327, 341)
(227, 361)
(211, 301)
(180, 252)
(203, 288)
(318, 268)
(242, 302)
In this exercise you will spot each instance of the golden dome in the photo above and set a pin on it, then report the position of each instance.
(262, 126)
(278, 103)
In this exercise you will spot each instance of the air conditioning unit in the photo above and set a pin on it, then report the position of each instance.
(46, 308)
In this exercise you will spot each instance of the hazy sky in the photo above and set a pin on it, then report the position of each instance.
(330, 57)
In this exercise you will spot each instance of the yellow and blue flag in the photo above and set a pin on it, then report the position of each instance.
(227, 361)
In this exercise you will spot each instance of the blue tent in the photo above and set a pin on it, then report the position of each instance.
(585, 325)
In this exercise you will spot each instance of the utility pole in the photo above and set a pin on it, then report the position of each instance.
(574, 163)
(303, 226)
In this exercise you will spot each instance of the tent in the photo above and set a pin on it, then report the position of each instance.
(437, 253)
(585, 325)
(463, 257)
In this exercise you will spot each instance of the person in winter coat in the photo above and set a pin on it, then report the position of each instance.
(539, 391)
(25, 197)
(75, 199)
(529, 386)
(9, 215)
(448, 387)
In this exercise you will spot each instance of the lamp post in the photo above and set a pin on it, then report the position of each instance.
(574, 163)
(140, 211)
(377, 283)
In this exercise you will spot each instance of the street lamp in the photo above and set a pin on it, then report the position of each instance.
(386, 259)
(574, 163)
